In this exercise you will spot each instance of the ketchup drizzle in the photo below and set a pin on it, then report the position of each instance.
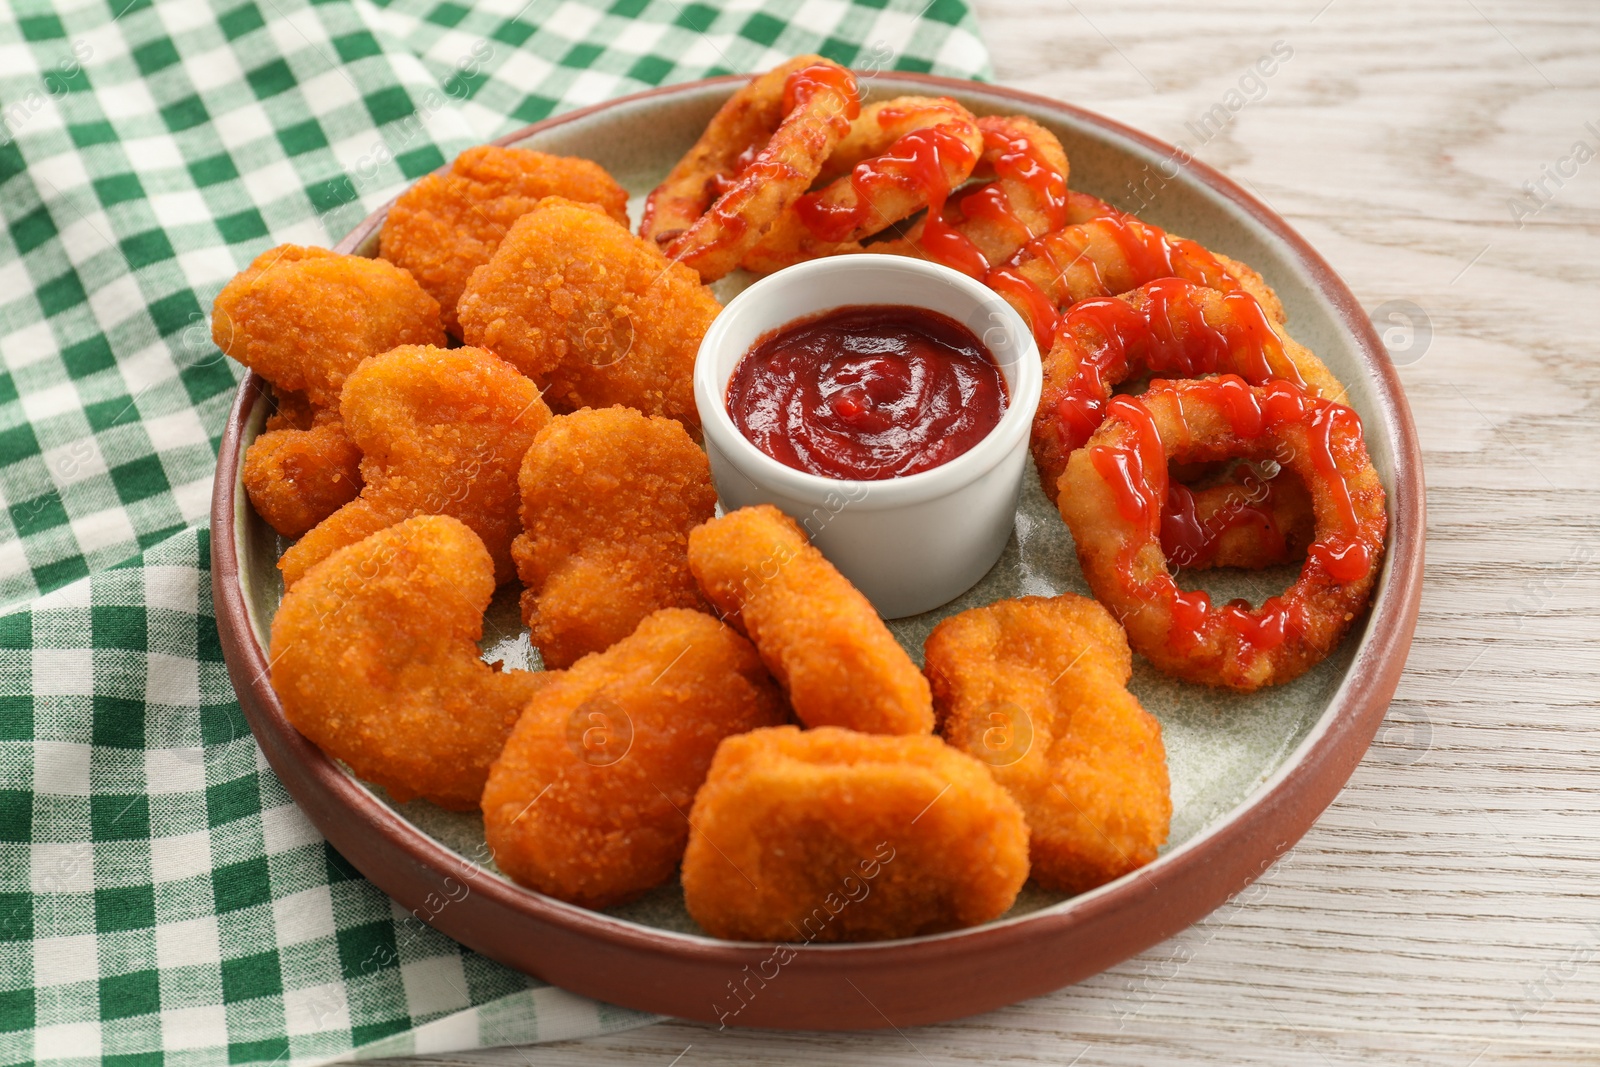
(1170, 335)
(916, 162)
(807, 82)
(1134, 469)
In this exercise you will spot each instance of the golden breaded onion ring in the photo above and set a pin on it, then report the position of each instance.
(1169, 327)
(902, 155)
(760, 152)
(1023, 196)
(1112, 496)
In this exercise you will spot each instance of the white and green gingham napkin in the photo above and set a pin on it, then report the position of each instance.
(162, 901)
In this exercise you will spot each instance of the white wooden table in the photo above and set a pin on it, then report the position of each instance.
(1446, 908)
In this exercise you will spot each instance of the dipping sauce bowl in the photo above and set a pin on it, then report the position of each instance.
(909, 543)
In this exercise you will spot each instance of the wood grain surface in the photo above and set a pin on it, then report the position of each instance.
(1446, 908)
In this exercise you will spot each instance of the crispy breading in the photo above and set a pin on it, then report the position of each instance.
(589, 801)
(599, 316)
(303, 318)
(374, 659)
(298, 477)
(816, 633)
(447, 225)
(608, 499)
(1037, 689)
(441, 432)
(832, 835)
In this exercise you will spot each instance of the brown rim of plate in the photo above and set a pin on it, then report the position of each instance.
(880, 984)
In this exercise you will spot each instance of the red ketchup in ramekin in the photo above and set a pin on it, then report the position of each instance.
(867, 392)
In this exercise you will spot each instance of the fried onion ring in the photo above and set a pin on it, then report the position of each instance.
(1105, 256)
(759, 153)
(1253, 515)
(901, 156)
(1112, 495)
(1026, 197)
(1169, 327)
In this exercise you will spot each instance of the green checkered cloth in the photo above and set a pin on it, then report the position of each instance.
(162, 900)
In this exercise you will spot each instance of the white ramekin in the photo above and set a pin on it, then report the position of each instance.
(912, 543)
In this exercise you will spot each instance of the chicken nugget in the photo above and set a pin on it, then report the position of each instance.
(292, 411)
(1037, 689)
(594, 313)
(441, 432)
(589, 801)
(608, 500)
(297, 477)
(374, 658)
(817, 634)
(303, 318)
(447, 225)
(833, 835)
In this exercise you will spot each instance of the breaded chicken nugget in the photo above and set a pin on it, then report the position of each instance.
(296, 478)
(589, 801)
(608, 500)
(1037, 688)
(374, 659)
(292, 411)
(816, 633)
(441, 432)
(832, 835)
(302, 318)
(598, 315)
(447, 225)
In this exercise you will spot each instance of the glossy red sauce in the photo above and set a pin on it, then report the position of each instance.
(943, 243)
(803, 84)
(1017, 163)
(1169, 335)
(1135, 471)
(916, 162)
(1190, 540)
(1031, 302)
(1017, 159)
(868, 392)
(721, 183)
(749, 171)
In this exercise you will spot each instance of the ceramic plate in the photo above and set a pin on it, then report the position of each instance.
(1249, 772)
